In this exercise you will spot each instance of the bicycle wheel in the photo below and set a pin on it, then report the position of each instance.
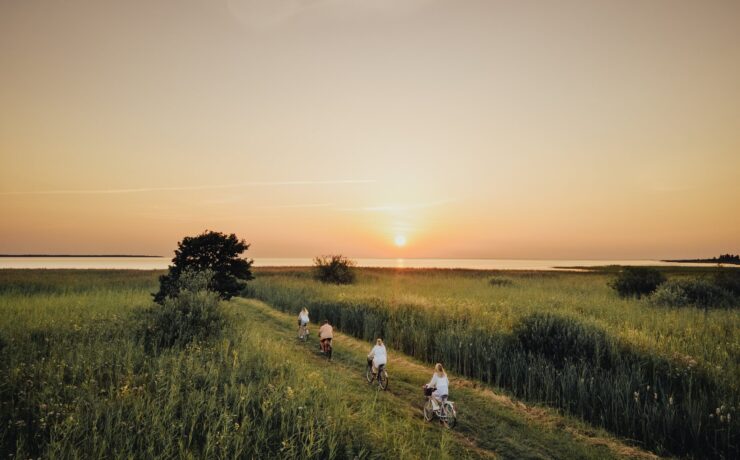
(451, 415)
(428, 411)
(328, 351)
(369, 374)
(383, 380)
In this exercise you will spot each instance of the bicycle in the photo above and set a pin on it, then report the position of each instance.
(382, 376)
(448, 417)
(328, 348)
(302, 331)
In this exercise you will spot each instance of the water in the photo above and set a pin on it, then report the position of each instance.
(160, 263)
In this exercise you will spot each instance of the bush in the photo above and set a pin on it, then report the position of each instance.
(561, 339)
(335, 269)
(698, 292)
(729, 280)
(193, 315)
(498, 281)
(637, 281)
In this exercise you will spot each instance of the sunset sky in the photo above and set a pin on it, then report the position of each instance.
(466, 129)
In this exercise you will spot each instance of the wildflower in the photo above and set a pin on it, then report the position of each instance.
(670, 401)
(655, 396)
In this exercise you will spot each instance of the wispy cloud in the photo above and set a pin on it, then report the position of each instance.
(270, 14)
(292, 206)
(399, 207)
(117, 191)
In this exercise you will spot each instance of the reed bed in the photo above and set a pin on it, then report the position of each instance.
(665, 378)
(75, 382)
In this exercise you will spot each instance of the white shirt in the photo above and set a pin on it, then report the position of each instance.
(303, 318)
(378, 355)
(441, 383)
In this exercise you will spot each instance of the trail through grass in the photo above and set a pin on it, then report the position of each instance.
(490, 424)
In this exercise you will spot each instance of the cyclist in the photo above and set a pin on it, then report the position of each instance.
(378, 356)
(326, 333)
(303, 323)
(441, 387)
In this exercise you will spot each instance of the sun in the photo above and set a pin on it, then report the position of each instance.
(400, 240)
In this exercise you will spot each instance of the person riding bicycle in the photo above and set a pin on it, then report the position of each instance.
(378, 356)
(441, 385)
(326, 333)
(303, 321)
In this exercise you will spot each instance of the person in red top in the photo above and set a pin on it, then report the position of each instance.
(326, 333)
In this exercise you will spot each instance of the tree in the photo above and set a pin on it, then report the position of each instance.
(334, 269)
(214, 251)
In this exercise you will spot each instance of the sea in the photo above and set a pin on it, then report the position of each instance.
(160, 263)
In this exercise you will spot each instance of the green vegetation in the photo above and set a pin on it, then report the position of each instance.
(700, 293)
(637, 281)
(664, 377)
(79, 377)
(194, 315)
(500, 281)
(213, 251)
(335, 269)
(76, 380)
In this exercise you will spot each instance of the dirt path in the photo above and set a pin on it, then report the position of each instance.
(491, 425)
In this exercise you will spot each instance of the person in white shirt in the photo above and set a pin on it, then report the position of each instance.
(303, 322)
(441, 386)
(378, 355)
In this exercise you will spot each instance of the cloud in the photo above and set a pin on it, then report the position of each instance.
(292, 206)
(191, 187)
(399, 207)
(270, 14)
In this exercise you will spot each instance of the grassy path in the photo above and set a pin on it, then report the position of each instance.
(490, 425)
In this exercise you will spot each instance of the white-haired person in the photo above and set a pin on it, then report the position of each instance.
(303, 323)
(378, 355)
(441, 386)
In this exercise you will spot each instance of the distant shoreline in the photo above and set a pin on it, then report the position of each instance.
(81, 255)
(703, 261)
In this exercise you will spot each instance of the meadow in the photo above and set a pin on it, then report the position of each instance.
(77, 382)
(569, 363)
(666, 378)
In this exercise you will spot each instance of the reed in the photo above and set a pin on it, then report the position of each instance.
(76, 381)
(666, 378)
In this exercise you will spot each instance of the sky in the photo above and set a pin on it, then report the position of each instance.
(385, 128)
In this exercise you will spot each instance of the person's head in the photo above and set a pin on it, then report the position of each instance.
(304, 311)
(380, 342)
(326, 321)
(439, 369)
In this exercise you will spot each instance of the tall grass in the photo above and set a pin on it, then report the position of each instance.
(662, 378)
(76, 381)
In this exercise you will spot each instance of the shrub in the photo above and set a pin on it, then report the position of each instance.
(698, 292)
(637, 281)
(561, 339)
(335, 269)
(729, 280)
(498, 281)
(191, 316)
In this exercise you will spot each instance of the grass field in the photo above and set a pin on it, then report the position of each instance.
(666, 378)
(76, 381)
